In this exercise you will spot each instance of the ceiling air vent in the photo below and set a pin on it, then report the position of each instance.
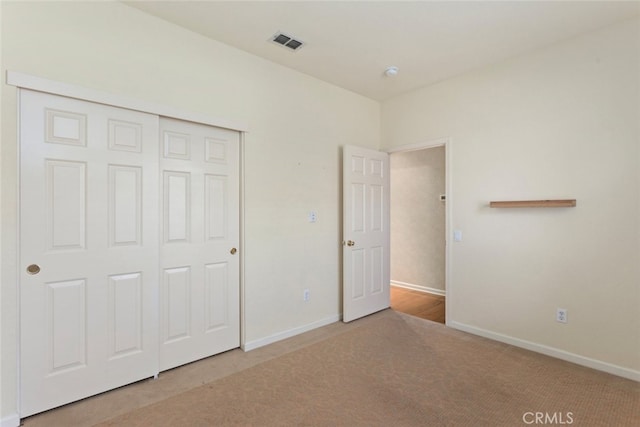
(286, 41)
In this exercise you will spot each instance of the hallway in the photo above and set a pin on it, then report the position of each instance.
(419, 304)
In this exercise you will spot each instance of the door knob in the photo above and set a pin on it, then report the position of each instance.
(233, 251)
(33, 269)
(349, 243)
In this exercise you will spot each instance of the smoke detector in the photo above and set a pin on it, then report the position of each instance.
(286, 41)
(391, 71)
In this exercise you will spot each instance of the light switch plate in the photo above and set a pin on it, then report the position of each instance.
(313, 216)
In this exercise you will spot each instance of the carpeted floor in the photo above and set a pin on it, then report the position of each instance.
(398, 370)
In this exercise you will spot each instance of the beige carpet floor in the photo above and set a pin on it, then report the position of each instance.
(397, 370)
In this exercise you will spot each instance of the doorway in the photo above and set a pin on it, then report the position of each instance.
(418, 231)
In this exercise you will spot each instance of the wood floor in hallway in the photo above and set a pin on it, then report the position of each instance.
(419, 304)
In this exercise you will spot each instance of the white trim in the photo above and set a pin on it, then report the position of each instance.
(242, 247)
(419, 288)
(40, 84)
(551, 351)
(439, 142)
(18, 159)
(12, 420)
(252, 345)
(448, 250)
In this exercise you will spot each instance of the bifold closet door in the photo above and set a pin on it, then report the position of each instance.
(89, 222)
(199, 298)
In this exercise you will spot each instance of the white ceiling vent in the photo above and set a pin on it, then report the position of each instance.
(286, 41)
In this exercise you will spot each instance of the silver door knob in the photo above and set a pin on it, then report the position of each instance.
(33, 269)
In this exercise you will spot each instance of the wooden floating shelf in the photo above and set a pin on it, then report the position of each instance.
(566, 203)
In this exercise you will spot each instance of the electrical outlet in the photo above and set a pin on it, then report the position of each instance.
(561, 315)
(306, 295)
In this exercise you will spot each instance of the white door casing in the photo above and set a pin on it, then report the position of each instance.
(366, 261)
(199, 298)
(88, 221)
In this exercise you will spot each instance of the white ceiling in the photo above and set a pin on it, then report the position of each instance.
(350, 43)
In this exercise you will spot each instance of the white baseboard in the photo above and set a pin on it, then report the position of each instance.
(551, 351)
(12, 420)
(252, 345)
(419, 288)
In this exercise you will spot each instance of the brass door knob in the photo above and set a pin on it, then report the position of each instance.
(233, 251)
(350, 243)
(33, 269)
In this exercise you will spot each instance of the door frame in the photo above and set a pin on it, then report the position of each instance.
(39, 84)
(434, 143)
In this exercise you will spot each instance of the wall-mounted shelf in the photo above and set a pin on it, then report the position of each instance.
(565, 203)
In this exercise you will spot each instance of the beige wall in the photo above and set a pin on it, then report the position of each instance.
(297, 125)
(561, 122)
(418, 218)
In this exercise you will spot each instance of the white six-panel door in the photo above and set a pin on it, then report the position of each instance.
(127, 224)
(88, 249)
(200, 298)
(366, 277)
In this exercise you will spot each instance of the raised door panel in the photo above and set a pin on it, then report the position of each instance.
(177, 145)
(177, 303)
(358, 205)
(66, 206)
(125, 205)
(125, 314)
(217, 150)
(377, 266)
(64, 127)
(67, 325)
(125, 136)
(217, 289)
(177, 206)
(216, 207)
(358, 274)
(376, 208)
